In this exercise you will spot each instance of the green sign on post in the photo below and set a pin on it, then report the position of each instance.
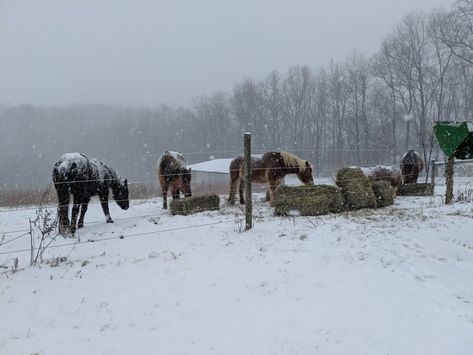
(456, 141)
(455, 138)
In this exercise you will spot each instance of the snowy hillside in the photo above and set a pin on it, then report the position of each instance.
(392, 281)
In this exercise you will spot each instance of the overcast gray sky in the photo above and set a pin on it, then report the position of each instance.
(145, 52)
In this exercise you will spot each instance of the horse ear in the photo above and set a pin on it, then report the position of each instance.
(125, 182)
(190, 169)
(307, 164)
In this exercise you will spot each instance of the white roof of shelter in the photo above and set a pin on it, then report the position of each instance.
(213, 166)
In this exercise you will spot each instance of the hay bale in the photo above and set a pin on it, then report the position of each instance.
(416, 190)
(195, 204)
(308, 200)
(356, 188)
(384, 193)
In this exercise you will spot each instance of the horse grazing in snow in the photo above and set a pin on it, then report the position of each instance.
(269, 168)
(75, 174)
(411, 166)
(173, 173)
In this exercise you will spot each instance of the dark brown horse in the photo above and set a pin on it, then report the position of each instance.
(173, 173)
(411, 166)
(384, 173)
(269, 168)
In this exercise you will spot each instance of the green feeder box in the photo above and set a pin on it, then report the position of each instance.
(455, 138)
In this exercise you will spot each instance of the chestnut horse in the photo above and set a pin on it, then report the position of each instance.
(173, 173)
(75, 174)
(384, 173)
(269, 168)
(411, 166)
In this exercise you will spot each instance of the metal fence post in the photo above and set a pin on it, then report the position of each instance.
(247, 165)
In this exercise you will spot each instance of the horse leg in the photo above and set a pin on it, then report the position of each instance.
(175, 192)
(241, 191)
(75, 212)
(104, 202)
(63, 207)
(83, 210)
(267, 196)
(273, 185)
(233, 186)
(165, 196)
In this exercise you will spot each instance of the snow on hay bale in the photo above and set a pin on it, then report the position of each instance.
(308, 200)
(195, 204)
(356, 188)
(416, 189)
(384, 193)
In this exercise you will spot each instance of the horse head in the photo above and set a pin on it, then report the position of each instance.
(305, 174)
(120, 194)
(185, 178)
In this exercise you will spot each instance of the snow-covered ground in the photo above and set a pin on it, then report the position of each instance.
(397, 280)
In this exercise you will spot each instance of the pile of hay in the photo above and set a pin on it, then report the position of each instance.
(308, 200)
(356, 188)
(384, 193)
(416, 190)
(195, 204)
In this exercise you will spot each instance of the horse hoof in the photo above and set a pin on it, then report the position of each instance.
(79, 226)
(109, 221)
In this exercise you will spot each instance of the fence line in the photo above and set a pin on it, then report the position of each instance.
(14, 238)
(218, 191)
(240, 152)
(229, 171)
(122, 236)
(17, 231)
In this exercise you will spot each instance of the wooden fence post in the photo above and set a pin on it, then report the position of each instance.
(433, 172)
(247, 166)
(449, 177)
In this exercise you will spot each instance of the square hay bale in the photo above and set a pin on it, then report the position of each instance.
(384, 193)
(356, 188)
(195, 204)
(416, 190)
(308, 200)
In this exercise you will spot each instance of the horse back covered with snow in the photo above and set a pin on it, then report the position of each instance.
(173, 173)
(75, 174)
(411, 166)
(270, 168)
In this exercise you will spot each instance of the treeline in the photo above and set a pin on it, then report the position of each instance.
(361, 111)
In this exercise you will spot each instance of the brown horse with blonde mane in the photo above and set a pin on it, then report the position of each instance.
(269, 168)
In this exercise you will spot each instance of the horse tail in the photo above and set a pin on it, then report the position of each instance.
(235, 166)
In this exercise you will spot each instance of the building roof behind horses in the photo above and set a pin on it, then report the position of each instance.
(221, 166)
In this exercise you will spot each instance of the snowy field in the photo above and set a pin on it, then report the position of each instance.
(397, 280)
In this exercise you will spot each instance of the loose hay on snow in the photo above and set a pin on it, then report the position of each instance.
(356, 188)
(416, 190)
(308, 200)
(384, 193)
(195, 204)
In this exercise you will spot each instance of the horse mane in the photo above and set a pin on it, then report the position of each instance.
(293, 161)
